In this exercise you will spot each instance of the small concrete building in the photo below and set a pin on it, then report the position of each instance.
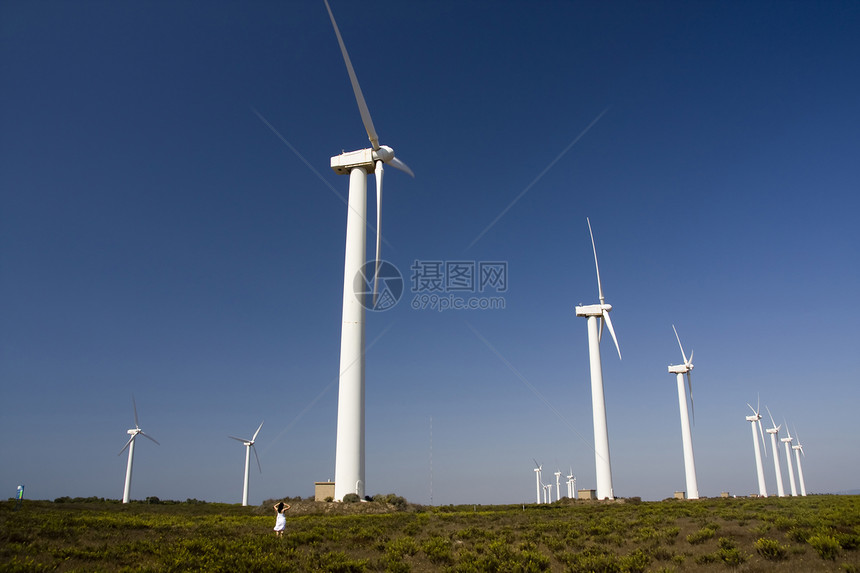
(680, 495)
(323, 490)
(586, 494)
(724, 494)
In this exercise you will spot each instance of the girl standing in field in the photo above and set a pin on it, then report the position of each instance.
(281, 520)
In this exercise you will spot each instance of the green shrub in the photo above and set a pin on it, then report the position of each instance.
(438, 550)
(701, 536)
(770, 549)
(826, 546)
(351, 498)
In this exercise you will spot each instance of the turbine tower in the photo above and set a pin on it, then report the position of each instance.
(134, 432)
(756, 418)
(249, 445)
(798, 449)
(602, 464)
(787, 442)
(557, 484)
(538, 469)
(349, 454)
(774, 432)
(686, 436)
(571, 485)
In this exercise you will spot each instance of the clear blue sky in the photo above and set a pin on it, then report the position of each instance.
(158, 238)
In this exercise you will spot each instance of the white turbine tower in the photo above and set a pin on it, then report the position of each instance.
(538, 468)
(349, 455)
(756, 418)
(547, 493)
(686, 436)
(787, 441)
(249, 445)
(557, 484)
(602, 464)
(134, 432)
(774, 433)
(571, 485)
(798, 449)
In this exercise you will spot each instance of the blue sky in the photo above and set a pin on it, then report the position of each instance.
(158, 238)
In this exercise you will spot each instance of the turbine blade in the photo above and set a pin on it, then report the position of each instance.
(397, 164)
(751, 408)
(257, 432)
(359, 97)
(597, 268)
(134, 405)
(690, 388)
(772, 423)
(684, 356)
(238, 439)
(761, 431)
(612, 332)
(691, 358)
(259, 467)
(600, 331)
(149, 437)
(379, 172)
(130, 440)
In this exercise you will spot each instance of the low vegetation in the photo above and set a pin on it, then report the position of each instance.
(816, 533)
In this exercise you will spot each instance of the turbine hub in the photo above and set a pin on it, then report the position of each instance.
(384, 154)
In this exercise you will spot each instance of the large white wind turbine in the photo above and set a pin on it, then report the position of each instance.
(601, 433)
(798, 449)
(249, 445)
(538, 468)
(557, 484)
(134, 432)
(787, 441)
(680, 371)
(349, 455)
(774, 434)
(756, 419)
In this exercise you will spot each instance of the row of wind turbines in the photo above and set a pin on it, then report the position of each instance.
(546, 488)
(755, 423)
(136, 431)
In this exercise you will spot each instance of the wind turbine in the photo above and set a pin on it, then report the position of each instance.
(249, 445)
(603, 467)
(774, 431)
(349, 454)
(686, 436)
(787, 442)
(571, 485)
(547, 493)
(756, 417)
(798, 449)
(134, 432)
(538, 468)
(557, 484)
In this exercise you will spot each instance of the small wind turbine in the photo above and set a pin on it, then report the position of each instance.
(134, 432)
(602, 464)
(774, 432)
(538, 468)
(686, 436)
(547, 493)
(787, 442)
(249, 445)
(798, 449)
(756, 418)
(557, 484)
(349, 454)
(571, 485)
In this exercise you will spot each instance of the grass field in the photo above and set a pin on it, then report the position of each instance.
(816, 533)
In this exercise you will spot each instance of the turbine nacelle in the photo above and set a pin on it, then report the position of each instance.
(592, 309)
(680, 368)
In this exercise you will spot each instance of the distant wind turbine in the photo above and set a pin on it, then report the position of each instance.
(603, 467)
(538, 468)
(787, 441)
(756, 418)
(774, 434)
(686, 436)
(249, 445)
(134, 432)
(349, 451)
(557, 484)
(571, 485)
(798, 449)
